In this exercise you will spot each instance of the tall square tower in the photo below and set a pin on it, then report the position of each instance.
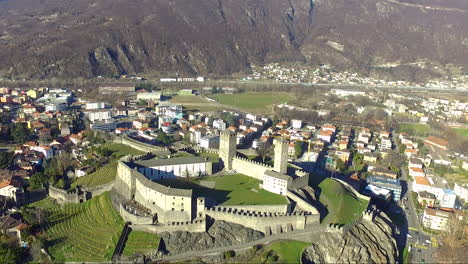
(227, 148)
(281, 155)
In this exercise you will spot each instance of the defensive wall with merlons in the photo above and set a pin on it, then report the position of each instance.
(268, 223)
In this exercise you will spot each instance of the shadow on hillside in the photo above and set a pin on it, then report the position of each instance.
(213, 196)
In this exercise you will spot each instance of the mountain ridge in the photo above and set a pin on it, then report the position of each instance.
(64, 39)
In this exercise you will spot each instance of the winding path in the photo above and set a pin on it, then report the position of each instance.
(302, 235)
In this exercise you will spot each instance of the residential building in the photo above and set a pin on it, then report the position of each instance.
(387, 183)
(153, 96)
(413, 172)
(426, 199)
(448, 199)
(461, 190)
(296, 124)
(435, 219)
(209, 142)
(436, 142)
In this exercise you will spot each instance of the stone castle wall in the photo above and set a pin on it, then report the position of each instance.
(250, 168)
(280, 208)
(300, 181)
(301, 203)
(128, 216)
(139, 145)
(268, 223)
(63, 196)
(197, 225)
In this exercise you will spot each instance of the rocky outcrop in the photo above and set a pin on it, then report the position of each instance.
(366, 242)
(220, 234)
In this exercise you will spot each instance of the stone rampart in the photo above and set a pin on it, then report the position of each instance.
(100, 189)
(139, 145)
(268, 223)
(250, 168)
(304, 205)
(133, 218)
(280, 208)
(197, 225)
(300, 181)
(63, 196)
(203, 150)
(124, 183)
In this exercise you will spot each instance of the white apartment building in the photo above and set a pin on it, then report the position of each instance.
(461, 190)
(435, 219)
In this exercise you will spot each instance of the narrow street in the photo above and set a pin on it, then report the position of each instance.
(421, 249)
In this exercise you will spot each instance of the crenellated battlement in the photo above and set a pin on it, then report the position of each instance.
(244, 212)
(253, 162)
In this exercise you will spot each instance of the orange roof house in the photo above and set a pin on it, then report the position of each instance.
(436, 142)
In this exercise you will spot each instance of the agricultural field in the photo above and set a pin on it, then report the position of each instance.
(102, 175)
(81, 232)
(140, 242)
(282, 251)
(461, 131)
(421, 130)
(342, 207)
(260, 102)
(108, 172)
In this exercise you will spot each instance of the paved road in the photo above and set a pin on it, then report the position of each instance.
(216, 251)
(421, 250)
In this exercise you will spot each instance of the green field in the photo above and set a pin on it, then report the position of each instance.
(120, 150)
(461, 131)
(108, 172)
(414, 129)
(235, 189)
(287, 251)
(255, 102)
(140, 242)
(195, 104)
(81, 232)
(241, 191)
(342, 206)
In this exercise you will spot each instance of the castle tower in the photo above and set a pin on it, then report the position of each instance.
(281, 156)
(227, 148)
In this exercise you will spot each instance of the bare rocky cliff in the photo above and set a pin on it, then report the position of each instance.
(366, 242)
(65, 38)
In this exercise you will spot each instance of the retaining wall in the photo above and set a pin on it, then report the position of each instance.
(250, 168)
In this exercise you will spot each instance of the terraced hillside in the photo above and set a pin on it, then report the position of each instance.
(81, 232)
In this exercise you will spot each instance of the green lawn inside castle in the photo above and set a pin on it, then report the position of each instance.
(235, 189)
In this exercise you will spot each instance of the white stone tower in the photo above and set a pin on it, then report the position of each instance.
(227, 148)
(281, 155)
